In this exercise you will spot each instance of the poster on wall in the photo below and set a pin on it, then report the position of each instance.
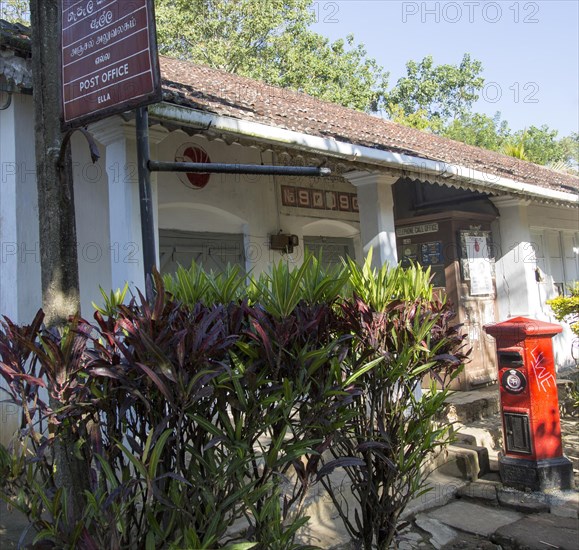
(479, 264)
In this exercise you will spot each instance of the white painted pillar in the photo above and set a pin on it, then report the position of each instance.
(125, 238)
(157, 134)
(515, 268)
(376, 203)
(20, 282)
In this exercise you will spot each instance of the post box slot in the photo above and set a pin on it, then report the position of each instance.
(518, 435)
(510, 359)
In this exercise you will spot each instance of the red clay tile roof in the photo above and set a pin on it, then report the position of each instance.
(231, 95)
(234, 96)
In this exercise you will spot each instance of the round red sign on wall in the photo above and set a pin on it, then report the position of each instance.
(188, 152)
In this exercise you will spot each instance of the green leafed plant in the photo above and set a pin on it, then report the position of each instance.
(111, 301)
(400, 332)
(205, 423)
(566, 308)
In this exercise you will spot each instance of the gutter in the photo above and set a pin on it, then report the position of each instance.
(418, 166)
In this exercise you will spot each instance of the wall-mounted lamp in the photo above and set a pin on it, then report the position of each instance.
(284, 242)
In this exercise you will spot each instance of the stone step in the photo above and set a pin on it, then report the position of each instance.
(469, 406)
(464, 461)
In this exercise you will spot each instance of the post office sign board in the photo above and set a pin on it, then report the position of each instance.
(109, 58)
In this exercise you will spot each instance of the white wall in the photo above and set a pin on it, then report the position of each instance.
(20, 295)
(536, 242)
(555, 251)
(91, 199)
(241, 204)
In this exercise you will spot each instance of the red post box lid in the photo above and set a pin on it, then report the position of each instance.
(521, 327)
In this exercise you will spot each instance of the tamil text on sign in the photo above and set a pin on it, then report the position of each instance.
(109, 58)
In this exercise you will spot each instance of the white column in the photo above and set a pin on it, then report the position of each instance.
(126, 250)
(376, 203)
(157, 134)
(125, 245)
(515, 270)
(20, 283)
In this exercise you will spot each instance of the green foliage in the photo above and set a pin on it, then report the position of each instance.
(379, 287)
(194, 285)
(516, 148)
(193, 417)
(541, 145)
(571, 145)
(270, 41)
(443, 92)
(15, 11)
(112, 301)
(566, 308)
(418, 119)
(400, 331)
(478, 130)
(439, 98)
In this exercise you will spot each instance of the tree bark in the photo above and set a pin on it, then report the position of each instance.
(58, 247)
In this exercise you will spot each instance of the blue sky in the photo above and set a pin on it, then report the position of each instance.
(529, 50)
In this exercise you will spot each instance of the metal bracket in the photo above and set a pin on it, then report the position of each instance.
(94, 151)
(222, 168)
(8, 101)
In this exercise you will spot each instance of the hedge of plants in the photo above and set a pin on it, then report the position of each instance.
(203, 417)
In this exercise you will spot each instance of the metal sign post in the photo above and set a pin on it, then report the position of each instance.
(110, 65)
(145, 192)
(146, 166)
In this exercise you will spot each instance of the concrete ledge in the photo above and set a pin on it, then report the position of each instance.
(466, 461)
(469, 406)
(481, 490)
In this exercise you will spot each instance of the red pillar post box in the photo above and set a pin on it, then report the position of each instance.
(533, 454)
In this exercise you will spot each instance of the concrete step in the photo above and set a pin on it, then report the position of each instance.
(464, 461)
(486, 433)
(469, 406)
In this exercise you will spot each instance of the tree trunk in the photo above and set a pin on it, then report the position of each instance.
(58, 247)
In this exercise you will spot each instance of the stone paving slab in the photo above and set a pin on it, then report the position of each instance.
(530, 503)
(443, 489)
(440, 534)
(12, 525)
(565, 503)
(540, 532)
(474, 518)
(481, 490)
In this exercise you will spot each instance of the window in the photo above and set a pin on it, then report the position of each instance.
(557, 255)
(331, 249)
(213, 251)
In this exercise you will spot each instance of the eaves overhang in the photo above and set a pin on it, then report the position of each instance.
(413, 167)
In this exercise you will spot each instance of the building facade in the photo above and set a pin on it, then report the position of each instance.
(500, 235)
